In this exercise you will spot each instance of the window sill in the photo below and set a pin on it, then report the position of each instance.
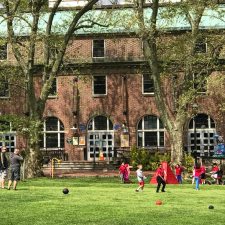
(52, 97)
(148, 94)
(4, 98)
(99, 96)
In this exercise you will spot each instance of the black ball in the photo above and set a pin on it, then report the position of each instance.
(65, 191)
(211, 207)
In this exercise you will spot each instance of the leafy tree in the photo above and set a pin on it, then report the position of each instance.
(24, 17)
(175, 59)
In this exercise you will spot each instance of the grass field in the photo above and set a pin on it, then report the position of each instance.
(106, 201)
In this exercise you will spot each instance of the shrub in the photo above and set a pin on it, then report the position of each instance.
(148, 159)
(188, 162)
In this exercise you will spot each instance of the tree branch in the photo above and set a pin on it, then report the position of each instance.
(46, 39)
(12, 38)
(62, 49)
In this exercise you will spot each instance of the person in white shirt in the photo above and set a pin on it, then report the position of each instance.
(140, 178)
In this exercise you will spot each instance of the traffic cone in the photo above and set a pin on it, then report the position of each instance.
(101, 156)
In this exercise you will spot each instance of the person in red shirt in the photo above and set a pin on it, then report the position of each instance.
(122, 169)
(178, 171)
(127, 173)
(197, 175)
(161, 178)
(214, 171)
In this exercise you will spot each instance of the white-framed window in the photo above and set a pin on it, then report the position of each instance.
(201, 135)
(98, 48)
(100, 137)
(150, 132)
(147, 84)
(3, 51)
(99, 85)
(7, 136)
(4, 88)
(53, 134)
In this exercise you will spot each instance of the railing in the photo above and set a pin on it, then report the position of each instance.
(48, 154)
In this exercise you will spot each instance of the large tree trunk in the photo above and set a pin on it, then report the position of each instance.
(176, 141)
(33, 166)
(33, 161)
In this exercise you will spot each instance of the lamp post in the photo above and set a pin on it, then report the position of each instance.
(195, 111)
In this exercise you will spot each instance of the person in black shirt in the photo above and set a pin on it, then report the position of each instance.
(3, 166)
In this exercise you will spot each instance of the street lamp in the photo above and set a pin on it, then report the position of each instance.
(195, 111)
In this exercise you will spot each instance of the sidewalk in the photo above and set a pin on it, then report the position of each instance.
(96, 173)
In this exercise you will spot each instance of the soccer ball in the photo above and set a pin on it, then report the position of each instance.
(158, 202)
(211, 207)
(65, 191)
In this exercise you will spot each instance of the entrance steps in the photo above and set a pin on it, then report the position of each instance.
(67, 167)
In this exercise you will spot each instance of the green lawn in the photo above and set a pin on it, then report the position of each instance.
(106, 201)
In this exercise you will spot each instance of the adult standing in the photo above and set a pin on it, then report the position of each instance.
(160, 178)
(15, 160)
(3, 166)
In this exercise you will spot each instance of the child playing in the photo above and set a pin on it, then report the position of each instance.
(140, 178)
(203, 175)
(214, 171)
(161, 178)
(197, 175)
(219, 175)
(127, 173)
(122, 169)
(178, 170)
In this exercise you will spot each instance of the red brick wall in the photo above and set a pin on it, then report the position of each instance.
(112, 105)
(80, 50)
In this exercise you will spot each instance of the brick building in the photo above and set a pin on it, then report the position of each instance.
(109, 104)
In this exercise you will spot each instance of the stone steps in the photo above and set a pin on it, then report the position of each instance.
(73, 167)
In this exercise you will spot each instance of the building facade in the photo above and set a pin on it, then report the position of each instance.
(108, 106)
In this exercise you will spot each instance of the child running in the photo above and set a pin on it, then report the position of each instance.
(161, 178)
(140, 178)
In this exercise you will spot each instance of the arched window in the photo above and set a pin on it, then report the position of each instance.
(100, 137)
(7, 136)
(201, 135)
(53, 133)
(100, 123)
(150, 132)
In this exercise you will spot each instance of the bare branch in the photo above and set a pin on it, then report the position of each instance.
(62, 49)
(12, 38)
(48, 30)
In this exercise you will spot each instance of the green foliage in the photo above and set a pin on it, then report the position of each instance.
(188, 162)
(31, 129)
(148, 159)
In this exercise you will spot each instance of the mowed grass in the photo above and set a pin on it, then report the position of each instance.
(106, 201)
